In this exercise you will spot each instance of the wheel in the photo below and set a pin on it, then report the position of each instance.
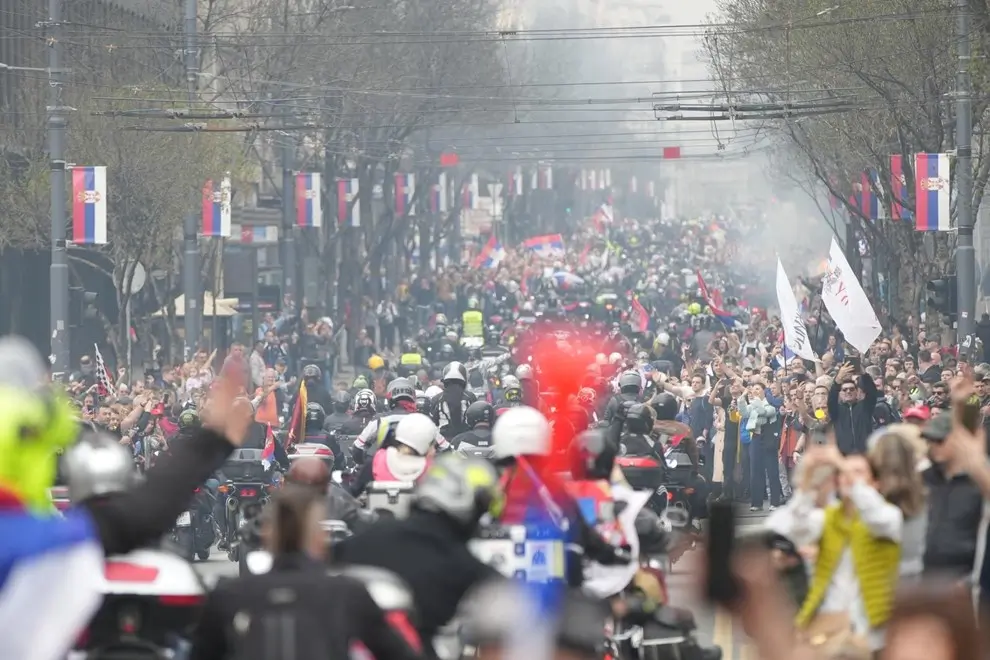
(241, 553)
(203, 555)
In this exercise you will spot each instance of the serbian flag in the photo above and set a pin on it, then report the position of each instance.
(639, 318)
(405, 190)
(898, 188)
(548, 246)
(603, 216)
(469, 193)
(544, 176)
(268, 453)
(516, 182)
(438, 195)
(866, 199)
(216, 208)
(931, 192)
(713, 298)
(89, 205)
(491, 254)
(297, 428)
(309, 200)
(348, 204)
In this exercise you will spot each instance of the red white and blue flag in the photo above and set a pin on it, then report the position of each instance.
(713, 298)
(865, 197)
(898, 189)
(405, 190)
(931, 192)
(309, 200)
(515, 182)
(469, 193)
(491, 254)
(348, 204)
(548, 246)
(216, 208)
(89, 205)
(544, 177)
(438, 195)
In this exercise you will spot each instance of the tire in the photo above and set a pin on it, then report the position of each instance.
(242, 568)
(185, 542)
(203, 555)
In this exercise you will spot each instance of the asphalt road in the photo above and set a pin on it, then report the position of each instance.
(715, 626)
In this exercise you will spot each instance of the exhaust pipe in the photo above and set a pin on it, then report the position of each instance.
(232, 504)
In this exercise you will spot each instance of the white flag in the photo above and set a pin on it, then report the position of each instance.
(795, 332)
(846, 301)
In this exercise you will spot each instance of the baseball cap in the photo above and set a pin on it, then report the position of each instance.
(937, 429)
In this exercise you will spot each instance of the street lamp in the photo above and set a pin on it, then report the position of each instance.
(7, 67)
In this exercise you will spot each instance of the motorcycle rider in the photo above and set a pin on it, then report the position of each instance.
(522, 442)
(402, 400)
(341, 505)
(450, 405)
(630, 389)
(411, 360)
(315, 419)
(480, 417)
(340, 415)
(405, 457)
(529, 387)
(428, 550)
(315, 391)
(472, 320)
(511, 394)
(636, 429)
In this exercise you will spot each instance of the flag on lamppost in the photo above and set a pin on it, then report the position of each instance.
(89, 205)
(309, 200)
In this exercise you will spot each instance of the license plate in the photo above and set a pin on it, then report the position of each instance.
(184, 519)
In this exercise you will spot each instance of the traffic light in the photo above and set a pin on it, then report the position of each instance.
(942, 297)
(82, 306)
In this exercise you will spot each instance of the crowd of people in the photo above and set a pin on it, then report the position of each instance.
(872, 465)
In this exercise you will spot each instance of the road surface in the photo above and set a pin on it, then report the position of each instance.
(715, 626)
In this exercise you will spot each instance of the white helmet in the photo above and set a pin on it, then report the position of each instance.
(601, 359)
(664, 339)
(521, 431)
(615, 358)
(524, 372)
(433, 390)
(416, 431)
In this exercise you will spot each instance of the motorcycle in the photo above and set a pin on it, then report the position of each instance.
(151, 604)
(194, 532)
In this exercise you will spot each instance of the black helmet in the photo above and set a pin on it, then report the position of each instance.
(341, 401)
(315, 415)
(630, 382)
(400, 388)
(312, 372)
(479, 412)
(665, 406)
(408, 346)
(446, 350)
(595, 453)
(654, 535)
(638, 419)
(422, 403)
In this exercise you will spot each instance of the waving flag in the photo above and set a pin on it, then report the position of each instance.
(603, 217)
(898, 189)
(104, 381)
(89, 205)
(297, 427)
(931, 192)
(713, 298)
(405, 190)
(51, 580)
(639, 318)
(216, 208)
(268, 453)
(491, 254)
(548, 246)
(348, 204)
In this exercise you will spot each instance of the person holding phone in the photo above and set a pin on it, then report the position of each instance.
(851, 401)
